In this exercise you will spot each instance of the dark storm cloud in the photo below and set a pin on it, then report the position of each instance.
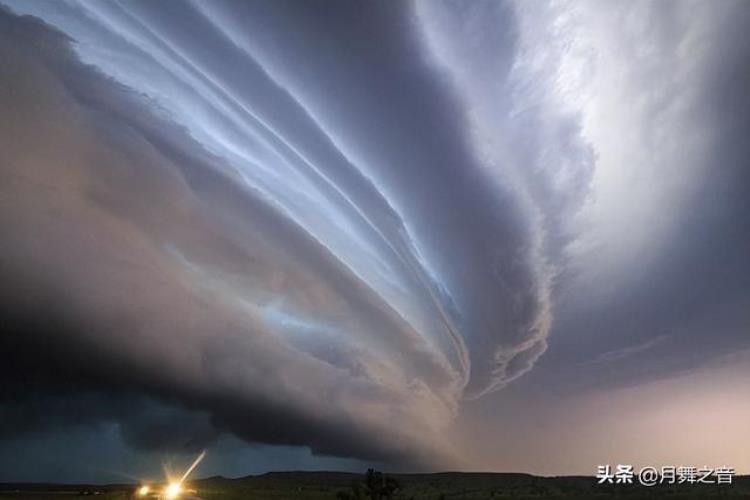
(187, 230)
(410, 138)
(104, 205)
(329, 225)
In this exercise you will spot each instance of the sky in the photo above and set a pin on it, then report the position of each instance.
(439, 235)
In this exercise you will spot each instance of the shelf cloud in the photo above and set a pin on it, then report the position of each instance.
(331, 225)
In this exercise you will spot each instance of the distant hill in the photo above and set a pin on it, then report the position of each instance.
(437, 486)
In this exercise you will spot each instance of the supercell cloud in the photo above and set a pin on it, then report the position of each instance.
(336, 267)
(315, 225)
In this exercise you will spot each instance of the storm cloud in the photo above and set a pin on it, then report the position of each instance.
(335, 226)
(178, 225)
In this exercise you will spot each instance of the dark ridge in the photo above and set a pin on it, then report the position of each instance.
(320, 485)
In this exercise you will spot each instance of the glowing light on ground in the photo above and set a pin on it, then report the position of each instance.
(173, 490)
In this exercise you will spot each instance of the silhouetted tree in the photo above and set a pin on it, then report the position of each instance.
(374, 483)
(390, 487)
(379, 486)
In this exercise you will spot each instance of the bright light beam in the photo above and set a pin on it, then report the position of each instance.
(195, 464)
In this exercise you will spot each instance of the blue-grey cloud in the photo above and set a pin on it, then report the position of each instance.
(330, 225)
(336, 267)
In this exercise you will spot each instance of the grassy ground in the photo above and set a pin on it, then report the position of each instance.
(453, 486)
